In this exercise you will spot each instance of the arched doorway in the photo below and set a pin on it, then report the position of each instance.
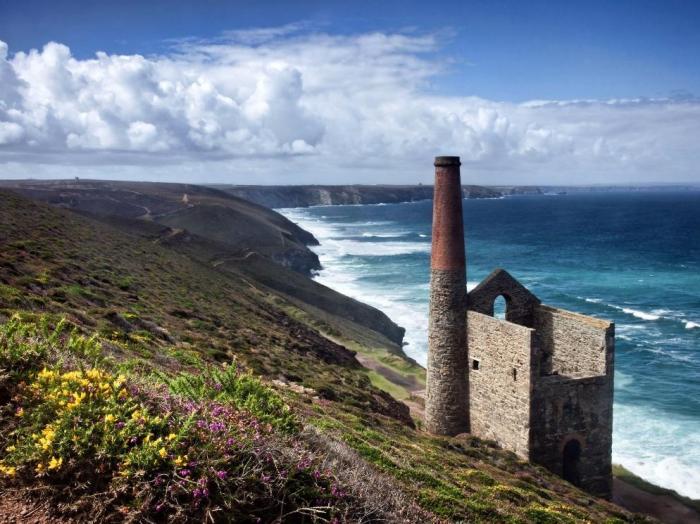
(570, 460)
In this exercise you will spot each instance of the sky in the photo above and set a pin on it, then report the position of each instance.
(350, 92)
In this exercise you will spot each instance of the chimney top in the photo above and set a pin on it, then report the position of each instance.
(447, 161)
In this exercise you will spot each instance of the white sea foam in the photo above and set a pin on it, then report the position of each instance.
(622, 380)
(661, 447)
(640, 314)
(659, 313)
(391, 234)
(346, 247)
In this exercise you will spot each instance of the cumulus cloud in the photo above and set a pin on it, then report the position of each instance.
(290, 105)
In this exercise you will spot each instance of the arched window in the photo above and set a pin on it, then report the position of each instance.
(499, 307)
(570, 462)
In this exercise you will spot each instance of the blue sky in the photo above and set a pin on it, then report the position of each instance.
(503, 50)
(311, 91)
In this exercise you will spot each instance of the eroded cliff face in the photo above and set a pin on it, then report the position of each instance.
(305, 196)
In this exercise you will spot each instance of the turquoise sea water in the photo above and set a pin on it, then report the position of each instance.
(630, 257)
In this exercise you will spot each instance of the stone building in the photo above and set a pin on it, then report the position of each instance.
(538, 381)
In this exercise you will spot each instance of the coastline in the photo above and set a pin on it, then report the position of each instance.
(632, 492)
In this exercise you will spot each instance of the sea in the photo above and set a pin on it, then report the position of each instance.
(631, 257)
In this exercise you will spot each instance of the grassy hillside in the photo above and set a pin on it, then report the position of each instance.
(215, 228)
(239, 223)
(138, 382)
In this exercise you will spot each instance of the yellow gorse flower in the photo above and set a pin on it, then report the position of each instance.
(55, 463)
(9, 471)
(162, 452)
(46, 441)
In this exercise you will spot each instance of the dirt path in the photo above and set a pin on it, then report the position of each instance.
(15, 509)
(662, 507)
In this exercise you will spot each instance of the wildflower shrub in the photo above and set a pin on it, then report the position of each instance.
(24, 345)
(243, 390)
(204, 446)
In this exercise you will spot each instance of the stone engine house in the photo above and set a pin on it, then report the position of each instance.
(538, 381)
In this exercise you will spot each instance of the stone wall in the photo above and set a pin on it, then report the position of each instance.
(501, 387)
(572, 345)
(447, 386)
(520, 302)
(564, 409)
(576, 403)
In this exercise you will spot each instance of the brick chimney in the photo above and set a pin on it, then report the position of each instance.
(447, 388)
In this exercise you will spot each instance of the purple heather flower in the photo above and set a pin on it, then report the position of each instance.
(222, 474)
(119, 425)
(185, 472)
(216, 427)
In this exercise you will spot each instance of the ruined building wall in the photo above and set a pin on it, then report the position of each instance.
(572, 345)
(575, 404)
(501, 387)
(566, 409)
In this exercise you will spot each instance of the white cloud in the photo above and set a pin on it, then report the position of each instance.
(288, 105)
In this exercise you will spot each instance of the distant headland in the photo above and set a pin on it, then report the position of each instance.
(324, 195)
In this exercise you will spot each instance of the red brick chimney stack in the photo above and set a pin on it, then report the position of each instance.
(447, 388)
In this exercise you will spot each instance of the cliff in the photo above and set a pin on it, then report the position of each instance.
(304, 196)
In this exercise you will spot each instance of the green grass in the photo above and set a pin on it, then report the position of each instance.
(227, 385)
(381, 382)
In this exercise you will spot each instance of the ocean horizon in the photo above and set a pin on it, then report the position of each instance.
(630, 257)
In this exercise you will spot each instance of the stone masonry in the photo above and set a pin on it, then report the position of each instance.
(447, 385)
(539, 381)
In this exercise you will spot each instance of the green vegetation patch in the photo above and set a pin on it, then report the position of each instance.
(182, 451)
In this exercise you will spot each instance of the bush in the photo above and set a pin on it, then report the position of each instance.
(226, 384)
(24, 345)
(183, 452)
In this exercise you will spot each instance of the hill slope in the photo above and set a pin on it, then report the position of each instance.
(241, 224)
(157, 312)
